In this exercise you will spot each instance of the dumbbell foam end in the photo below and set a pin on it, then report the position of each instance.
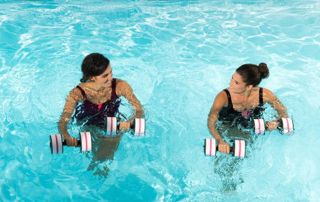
(210, 147)
(111, 126)
(139, 127)
(56, 144)
(85, 138)
(287, 125)
(259, 126)
(239, 148)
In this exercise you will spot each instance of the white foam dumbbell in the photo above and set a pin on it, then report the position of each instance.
(285, 126)
(57, 143)
(238, 149)
(138, 126)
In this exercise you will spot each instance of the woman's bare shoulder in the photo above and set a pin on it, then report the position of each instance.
(122, 87)
(267, 92)
(76, 92)
(122, 84)
(268, 95)
(120, 81)
(222, 96)
(220, 100)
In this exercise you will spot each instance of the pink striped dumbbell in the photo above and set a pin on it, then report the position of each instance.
(56, 143)
(285, 126)
(238, 149)
(138, 126)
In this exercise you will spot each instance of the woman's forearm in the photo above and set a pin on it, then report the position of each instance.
(63, 126)
(212, 127)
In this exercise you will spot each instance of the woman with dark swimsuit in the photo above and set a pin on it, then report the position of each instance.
(232, 113)
(242, 102)
(93, 100)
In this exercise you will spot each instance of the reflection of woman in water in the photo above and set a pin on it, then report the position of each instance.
(93, 100)
(235, 108)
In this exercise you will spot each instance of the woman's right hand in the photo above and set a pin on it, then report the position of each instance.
(124, 126)
(224, 147)
(71, 141)
(271, 125)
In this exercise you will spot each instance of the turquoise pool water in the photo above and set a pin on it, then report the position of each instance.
(177, 56)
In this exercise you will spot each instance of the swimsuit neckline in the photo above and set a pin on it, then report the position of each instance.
(99, 105)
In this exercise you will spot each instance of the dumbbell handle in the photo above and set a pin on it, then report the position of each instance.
(132, 125)
(280, 125)
(231, 149)
(64, 143)
(217, 147)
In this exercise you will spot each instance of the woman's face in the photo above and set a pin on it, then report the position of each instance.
(237, 85)
(105, 78)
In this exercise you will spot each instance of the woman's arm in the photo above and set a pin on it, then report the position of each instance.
(270, 98)
(124, 89)
(220, 100)
(72, 99)
(217, 105)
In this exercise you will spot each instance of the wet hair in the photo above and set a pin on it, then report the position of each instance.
(253, 74)
(93, 64)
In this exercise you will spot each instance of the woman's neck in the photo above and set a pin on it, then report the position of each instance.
(96, 87)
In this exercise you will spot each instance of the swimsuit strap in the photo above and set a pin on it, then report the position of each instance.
(230, 105)
(83, 93)
(261, 96)
(113, 92)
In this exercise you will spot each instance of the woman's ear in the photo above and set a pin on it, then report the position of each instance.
(92, 79)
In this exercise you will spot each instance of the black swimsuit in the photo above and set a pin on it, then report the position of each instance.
(245, 119)
(96, 114)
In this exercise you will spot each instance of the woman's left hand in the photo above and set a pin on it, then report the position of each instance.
(124, 125)
(271, 125)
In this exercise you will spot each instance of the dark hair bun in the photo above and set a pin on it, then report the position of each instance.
(263, 70)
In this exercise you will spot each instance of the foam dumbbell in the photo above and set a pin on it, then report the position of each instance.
(57, 143)
(138, 126)
(238, 149)
(285, 126)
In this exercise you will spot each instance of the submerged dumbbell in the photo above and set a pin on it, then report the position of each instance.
(285, 126)
(56, 143)
(238, 149)
(113, 126)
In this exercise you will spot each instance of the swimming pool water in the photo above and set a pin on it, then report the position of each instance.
(177, 56)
